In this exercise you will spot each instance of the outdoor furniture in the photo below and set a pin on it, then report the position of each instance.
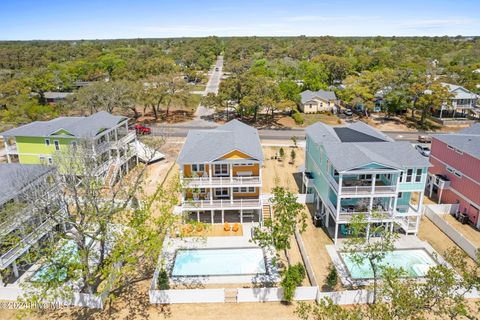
(236, 227)
(226, 226)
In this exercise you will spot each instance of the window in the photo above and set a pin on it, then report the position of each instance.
(401, 176)
(409, 175)
(335, 173)
(198, 167)
(235, 189)
(458, 151)
(222, 192)
(243, 189)
(221, 169)
(74, 145)
(400, 195)
(450, 147)
(449, 169)
(243, 164)
(57, 144)
(251, 189)
(42, 159)
(458, 174)
(50, 160)
(418, 177)
(366, 177)
(47, 142)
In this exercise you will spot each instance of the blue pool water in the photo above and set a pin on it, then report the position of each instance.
(56, 269)
(414, 262)
(216, 262)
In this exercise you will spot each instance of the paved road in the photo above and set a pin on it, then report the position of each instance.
(215, 77)
(271, 134)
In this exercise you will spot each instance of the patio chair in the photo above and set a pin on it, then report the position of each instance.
(226, 226)
(235, 227)
(343, 230)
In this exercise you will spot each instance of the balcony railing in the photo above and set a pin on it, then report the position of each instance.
(223, 203)
(12, 149)
(221, 181)
(369, 216)
(26, 243)
(362, 190)
(124, 140)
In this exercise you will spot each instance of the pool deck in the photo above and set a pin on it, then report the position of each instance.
(171, 245)
(404, 242)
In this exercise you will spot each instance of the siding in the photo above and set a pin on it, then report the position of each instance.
(31, 148)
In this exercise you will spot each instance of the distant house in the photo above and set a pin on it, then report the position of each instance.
(454, 177)
(316, 101)
(55, 97)
(462, 103)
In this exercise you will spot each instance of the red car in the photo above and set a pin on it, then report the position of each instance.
(140, 129)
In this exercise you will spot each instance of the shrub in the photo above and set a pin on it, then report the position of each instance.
(281, 153)
(292, 278)
(332, 277)
(292, 156)
(297, 117)
(163, 283)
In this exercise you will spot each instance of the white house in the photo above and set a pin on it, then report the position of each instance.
(316, 101)
(462, 102)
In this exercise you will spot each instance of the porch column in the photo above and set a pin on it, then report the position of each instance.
(440, 195)
(340, 182)
(212, 213)
(211, 196)
(368, 230)
(327, 216)
(336, 233)
(15, 269)
(198, 216)
(223, 216)
(420, 201)
(231, 195)
(210, 169)
(241, 215)
(230, 166)
(7, 153)
(1, 281)
(391, 226)
(374, 182)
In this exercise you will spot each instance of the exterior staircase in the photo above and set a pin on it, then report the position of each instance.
(112, 171)
(231, 295)
(266, 212)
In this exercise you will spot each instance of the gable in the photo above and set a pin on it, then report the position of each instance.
(373, 166)
(61, 132)
(235, 154)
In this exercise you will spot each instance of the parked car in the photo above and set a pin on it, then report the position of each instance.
(424, 150)
(140, 129)
(424, 139)
(348, 112)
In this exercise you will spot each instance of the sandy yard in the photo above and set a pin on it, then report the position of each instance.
(466, 230)
(282, 173)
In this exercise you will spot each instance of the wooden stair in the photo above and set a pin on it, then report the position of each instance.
(110, 176)
(231, 295)
(267, 212)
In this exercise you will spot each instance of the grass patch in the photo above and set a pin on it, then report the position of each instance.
(311, 118)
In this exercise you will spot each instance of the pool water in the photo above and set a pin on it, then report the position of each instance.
(219, 262)
(414, 262)
(56, 269)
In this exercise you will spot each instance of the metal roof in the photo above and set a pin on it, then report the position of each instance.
(56, 95)
(202, 146)
(78, 127)
(15, 177)
(359, 145)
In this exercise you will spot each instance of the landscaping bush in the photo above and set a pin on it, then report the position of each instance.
(163, 283)
(332, 277)
(297, 117)
(292, 278)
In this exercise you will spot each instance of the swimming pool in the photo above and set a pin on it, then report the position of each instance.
(219, 262)
(415, 262)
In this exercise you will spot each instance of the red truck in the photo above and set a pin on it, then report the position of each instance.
(140, 129)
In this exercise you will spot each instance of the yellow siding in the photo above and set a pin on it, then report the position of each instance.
(236, 155)
(187, 170)
(246, 195)
(253, 169)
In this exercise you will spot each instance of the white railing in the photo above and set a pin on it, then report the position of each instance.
(26, 242)
(227, 181)
(223, 203)
(354, 190)
(187, 296)
(379, 215)
(125, 139)
(102, 147)
(12, 150)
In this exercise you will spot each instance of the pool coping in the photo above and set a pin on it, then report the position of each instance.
(405, 243)
(170, 271)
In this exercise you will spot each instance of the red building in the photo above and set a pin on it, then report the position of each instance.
(454, 177)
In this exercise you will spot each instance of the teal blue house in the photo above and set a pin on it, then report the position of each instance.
(357, 169)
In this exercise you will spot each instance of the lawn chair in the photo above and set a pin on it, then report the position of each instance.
(226, 226)
(236, 227)
(344, 230)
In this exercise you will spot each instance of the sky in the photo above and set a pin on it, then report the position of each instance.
(90, 19)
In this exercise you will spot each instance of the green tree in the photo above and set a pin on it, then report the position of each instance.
(292, 277)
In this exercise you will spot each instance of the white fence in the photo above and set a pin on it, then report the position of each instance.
(347, 297)
(274, 294)
(187, 296)
(304, 198)
(435, 212)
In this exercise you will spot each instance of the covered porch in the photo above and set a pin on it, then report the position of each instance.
(223, 216)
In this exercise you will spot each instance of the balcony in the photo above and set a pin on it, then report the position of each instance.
(12, 149)
(201, 182)
(124, 140)
(366, 190)
(222, 204)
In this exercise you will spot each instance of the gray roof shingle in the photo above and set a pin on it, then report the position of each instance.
(467, 140)
(204, 146)
(79, 127)
(359, 145)
(308, 95)
(15, 177)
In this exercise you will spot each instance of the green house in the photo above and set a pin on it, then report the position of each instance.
(106, 137)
